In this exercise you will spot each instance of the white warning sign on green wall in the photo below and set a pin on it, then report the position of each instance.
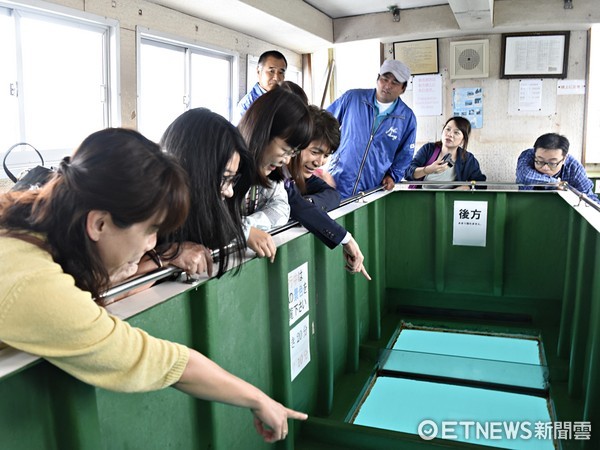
(299, 347)
(469, 223)
(298, 292)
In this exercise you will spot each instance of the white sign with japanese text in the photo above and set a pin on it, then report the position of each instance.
(570, 87)
(299, 347)
(470, 223)
(298, 292)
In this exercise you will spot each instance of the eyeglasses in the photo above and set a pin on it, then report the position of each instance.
(552, 165)
(292, 152)
(230, 180)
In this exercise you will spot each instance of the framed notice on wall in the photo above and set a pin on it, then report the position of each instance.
(421, 57)
(535, 55)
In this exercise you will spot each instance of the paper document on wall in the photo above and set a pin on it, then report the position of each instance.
(470, 223)
(530, 95)
(570, 87)
(299, 347)
(427, 95)
(468, 103)
(298, 292)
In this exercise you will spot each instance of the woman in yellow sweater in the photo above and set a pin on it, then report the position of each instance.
(65, 244)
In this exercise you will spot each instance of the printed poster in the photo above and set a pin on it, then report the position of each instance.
(468, 103)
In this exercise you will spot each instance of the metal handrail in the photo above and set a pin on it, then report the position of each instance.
(360, 196)
(560, 186)
(581, 196)
(472, 184)
(150, 277)
(174, 272)
(158, 275)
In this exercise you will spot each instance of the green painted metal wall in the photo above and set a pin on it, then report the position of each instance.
(535, 275)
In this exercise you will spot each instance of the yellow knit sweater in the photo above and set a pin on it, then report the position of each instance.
(42, 312)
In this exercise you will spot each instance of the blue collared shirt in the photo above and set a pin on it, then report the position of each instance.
(572, 172)
(245, 103)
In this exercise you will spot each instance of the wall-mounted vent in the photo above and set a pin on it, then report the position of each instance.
(469, 59)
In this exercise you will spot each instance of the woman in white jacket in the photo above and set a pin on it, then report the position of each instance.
(276, 127)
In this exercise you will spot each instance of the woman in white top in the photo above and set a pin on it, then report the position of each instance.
(276, 127)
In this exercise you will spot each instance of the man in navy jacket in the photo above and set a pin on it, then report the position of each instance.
(310, 197)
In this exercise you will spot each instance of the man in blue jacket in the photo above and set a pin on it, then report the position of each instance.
(378, 133)
(270, 70)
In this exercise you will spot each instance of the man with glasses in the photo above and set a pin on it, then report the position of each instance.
(549, 162)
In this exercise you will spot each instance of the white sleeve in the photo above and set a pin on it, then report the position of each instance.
(273, 209)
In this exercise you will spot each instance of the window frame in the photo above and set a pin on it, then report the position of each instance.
(168, 40)
(65, 16)
(110, 52)
(591, 153)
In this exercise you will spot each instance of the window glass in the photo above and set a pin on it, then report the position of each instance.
(63, 83)
(363, 75)
(175, 76)
(445, 377)
(55, 87)
(9, 107)
(211, 83)
(162, 87)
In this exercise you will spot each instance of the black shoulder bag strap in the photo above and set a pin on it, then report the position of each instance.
(6, 170)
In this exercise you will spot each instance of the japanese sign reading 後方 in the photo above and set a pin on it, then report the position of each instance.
(469, 223)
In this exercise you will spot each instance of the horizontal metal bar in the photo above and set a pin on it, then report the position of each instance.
(583, 197)
(150, 277)
(160, 274)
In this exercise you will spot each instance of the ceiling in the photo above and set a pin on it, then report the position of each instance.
(307, 25)
(345, 8)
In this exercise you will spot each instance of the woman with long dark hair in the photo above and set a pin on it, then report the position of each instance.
(276, 127)
(215, 157)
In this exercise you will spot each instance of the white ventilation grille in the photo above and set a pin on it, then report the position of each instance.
(469, 59)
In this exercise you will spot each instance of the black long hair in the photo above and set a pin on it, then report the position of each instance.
(203, 142)
(114, 170)
(276, 114)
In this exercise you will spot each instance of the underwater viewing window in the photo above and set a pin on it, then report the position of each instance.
(480, 388)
